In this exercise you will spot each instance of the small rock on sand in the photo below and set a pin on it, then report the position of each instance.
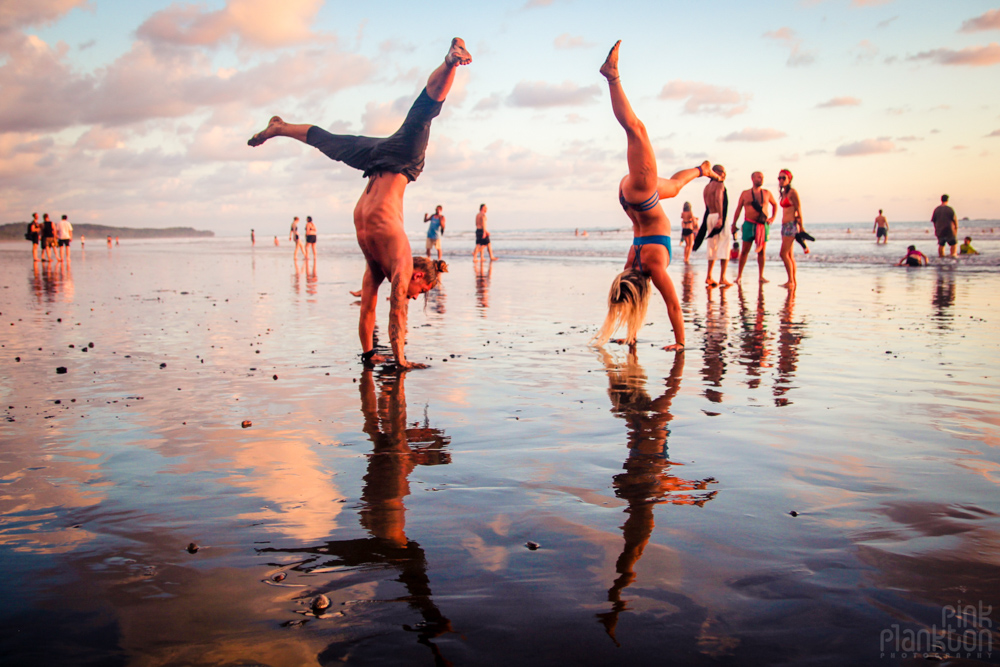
(246, 423)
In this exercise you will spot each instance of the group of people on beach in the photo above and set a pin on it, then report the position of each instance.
(391, 163)
(50, 239)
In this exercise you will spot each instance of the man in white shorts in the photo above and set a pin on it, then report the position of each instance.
(718, 238)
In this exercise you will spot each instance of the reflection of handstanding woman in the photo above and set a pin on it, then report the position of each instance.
(791, 223)
(389, 164)
(640, 193)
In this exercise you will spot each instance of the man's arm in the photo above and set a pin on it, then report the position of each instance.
(774, 206)
(739, 208)
(369, 297)
(442, 225)
(427, 216)
(399, 308)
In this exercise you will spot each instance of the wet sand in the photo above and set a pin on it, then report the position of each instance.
(659, 488)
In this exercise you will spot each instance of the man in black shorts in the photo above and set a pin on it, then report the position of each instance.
(945, 227)
(389, 163)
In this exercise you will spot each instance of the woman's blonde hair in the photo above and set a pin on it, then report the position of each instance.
(431, 268)
(628, 301)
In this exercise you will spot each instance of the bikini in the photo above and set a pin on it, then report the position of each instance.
(640, 241)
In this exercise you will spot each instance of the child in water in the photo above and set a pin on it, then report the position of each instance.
(966, 248)
(913, 257)
(734, 254)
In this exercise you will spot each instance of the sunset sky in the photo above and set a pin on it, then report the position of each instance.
(136, 112)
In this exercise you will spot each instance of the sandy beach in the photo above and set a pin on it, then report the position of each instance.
(813, 481)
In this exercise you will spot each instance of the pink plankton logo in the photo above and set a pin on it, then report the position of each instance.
(966, 631)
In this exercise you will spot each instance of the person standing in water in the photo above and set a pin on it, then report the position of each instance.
(717, 245)
(389, 164)
(310, 239)
(639, 193)
(881, 229)
(945, 227)
(689, 225)
(435, 231)
(791, 224)
(482, 236)
(756, 222)
(293, 236)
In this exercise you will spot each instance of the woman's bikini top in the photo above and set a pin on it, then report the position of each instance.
(786, 202)
(653, 200)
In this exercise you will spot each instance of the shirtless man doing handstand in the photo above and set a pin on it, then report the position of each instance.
(389, 164)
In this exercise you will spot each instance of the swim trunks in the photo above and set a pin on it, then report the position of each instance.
(948, 237)
(431, 244)
(880, 232)
(789, 229)
(310, 238)
(401, 153)
(750, 231)
(482, 239)
(912, 261)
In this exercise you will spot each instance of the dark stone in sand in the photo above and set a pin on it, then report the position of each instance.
(320, 604)
(90, 345)
(793, 513)
(18, 359)
(246, 423)
(58, 402)
(61, 370)
(275, 377)
(280, 576)
(192, 548)
(163, 365)
(532, 545)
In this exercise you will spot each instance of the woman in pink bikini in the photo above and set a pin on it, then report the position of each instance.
(791, 223)
(639, 193)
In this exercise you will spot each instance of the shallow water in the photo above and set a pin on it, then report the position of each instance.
(658, 487)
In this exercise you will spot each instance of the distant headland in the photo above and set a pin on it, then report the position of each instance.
(14, 231)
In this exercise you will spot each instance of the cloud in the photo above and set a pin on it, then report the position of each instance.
(15, 14)
(533, 4)
(839, 102)
(755, 134)
(567, 41)
(886, 23)
(254, 23)
(384, 119)
(988, 21)
(538, 94)
(797, 57)
(994, 133)
(866, 52)
(959, 148)
(143, 84)
(490, 103)
(973, 56)
(706, 98)
(909, 138)
(869, 3)
(866, 147)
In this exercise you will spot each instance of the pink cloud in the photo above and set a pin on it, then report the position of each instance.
(539, 94)
(797, 56)
(988, 21)
(974, 56)
(706, 98)
(839, 102)
(994, 133)
(14, 15)
(755, 134)
(866, 147)
(567, 41)
(869, 3)
(254, 23)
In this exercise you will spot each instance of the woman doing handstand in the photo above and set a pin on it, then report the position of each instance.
(639, 193)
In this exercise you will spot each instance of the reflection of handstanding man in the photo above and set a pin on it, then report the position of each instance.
(389, 164)
(716, 208)
(756, 222)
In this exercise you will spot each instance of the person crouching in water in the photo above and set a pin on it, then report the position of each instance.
(639, 193)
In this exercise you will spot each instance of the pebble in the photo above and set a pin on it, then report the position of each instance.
(246, 423)
(320, 603)
(793, 513)
(61, 370)
(280, 576)
(163, 365)
(275, 377)
(532, 545)
(193, 548)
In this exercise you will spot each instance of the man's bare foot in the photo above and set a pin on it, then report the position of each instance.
(711, 283)
(353, 293)
(789, 285)
(763, 280)
(610, 67)
(271, 130)
(725, 283)
(457, 55)
(676, 347)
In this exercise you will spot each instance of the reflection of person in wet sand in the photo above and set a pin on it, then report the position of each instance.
(715, 346)
(647, 480)
(396, 451)
(789, 338)
(483, 274)
(754, 339)
(639, 193)
(389, 164)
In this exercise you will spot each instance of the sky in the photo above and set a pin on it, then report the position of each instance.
(136, 113)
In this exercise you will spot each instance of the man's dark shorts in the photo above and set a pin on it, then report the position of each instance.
(402, 153)
(481, 238)
(948, 238)
(880, 232)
